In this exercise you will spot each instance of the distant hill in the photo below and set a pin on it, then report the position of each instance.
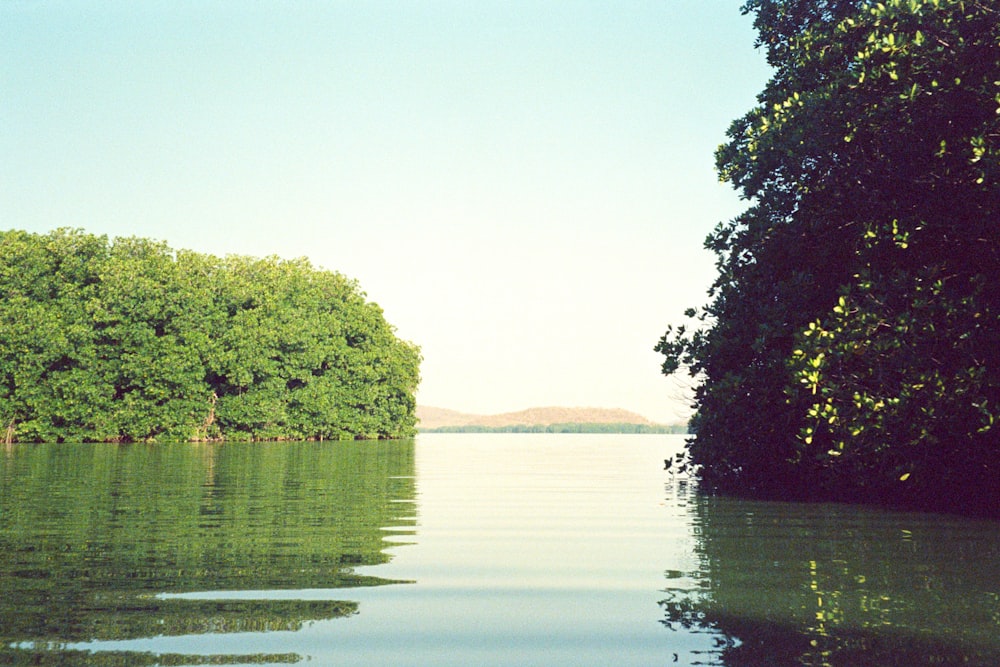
(431, 418)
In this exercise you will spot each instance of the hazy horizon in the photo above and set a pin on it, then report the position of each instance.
(523, 187)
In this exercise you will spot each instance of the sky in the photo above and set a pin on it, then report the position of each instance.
(523, 187)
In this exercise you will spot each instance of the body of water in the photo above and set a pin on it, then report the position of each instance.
(507, 549)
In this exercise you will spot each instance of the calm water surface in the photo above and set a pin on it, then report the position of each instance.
(465, 549)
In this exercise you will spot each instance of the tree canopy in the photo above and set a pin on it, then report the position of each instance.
(132, 341)
(851, 345)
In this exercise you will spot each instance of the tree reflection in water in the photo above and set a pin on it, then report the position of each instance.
(92, 535)
(800, 584)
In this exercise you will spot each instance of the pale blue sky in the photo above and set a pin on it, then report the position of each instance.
(524, 187)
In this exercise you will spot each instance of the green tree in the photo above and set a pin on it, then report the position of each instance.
(130, 340)
(851, 346)
(155, 371)
(47, 343)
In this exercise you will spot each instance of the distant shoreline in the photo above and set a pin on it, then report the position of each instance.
(550, 419)
(641, 429)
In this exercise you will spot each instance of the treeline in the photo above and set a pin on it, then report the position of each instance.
(851, 347)
(574, 427)
(132, 341)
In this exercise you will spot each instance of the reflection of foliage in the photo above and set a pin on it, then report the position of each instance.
(783, 584)
(92, 533)
(744, 642)
(132, 659)
(124, 616)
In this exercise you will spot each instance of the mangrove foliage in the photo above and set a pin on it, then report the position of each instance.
(129, 340)
(851, 345)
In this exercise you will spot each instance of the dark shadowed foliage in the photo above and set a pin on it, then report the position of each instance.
(851, 347)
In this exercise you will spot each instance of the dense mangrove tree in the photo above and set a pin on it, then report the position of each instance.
(130, 340)
(851, 346)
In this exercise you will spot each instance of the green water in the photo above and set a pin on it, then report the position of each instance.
(465, 549)
(92, 535)
(838, 585)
